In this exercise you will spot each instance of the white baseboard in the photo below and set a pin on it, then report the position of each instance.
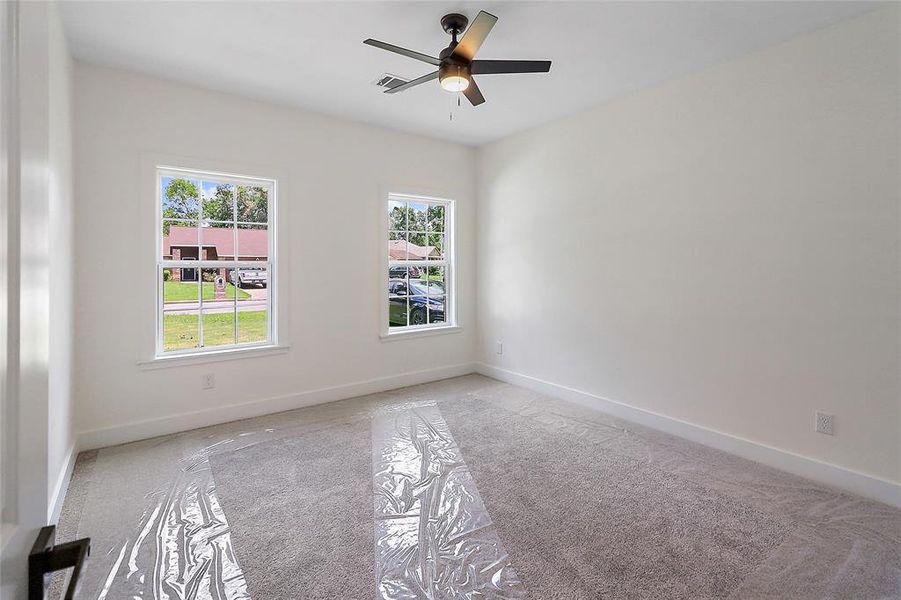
(62, 485)
(810, 468)
(131, 432)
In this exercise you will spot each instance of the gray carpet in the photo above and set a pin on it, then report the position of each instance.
(585, 506)
(580, 521)
(300, 512)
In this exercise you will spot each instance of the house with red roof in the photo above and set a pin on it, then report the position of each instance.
(403, 250)
(214, 243)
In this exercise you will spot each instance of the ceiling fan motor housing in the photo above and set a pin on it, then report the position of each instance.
(454, 23)
(447, 56)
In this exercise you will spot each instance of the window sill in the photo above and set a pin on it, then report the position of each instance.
(182, 360)
(417, 333)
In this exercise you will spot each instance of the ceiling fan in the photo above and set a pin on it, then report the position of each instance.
(457, 64)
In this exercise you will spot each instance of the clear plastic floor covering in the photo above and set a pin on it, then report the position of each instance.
(433, 536)
(159, 532)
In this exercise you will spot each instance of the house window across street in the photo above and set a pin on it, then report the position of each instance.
(215, 262)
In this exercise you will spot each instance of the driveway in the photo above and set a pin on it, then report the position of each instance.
(257, 293)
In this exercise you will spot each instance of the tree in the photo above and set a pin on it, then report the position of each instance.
(436, 217)
(407, 218)
(253, 205)
(397, 218)
(220, 207)
(181, 201)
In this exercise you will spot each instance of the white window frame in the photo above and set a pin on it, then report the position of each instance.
(271, 264)
(449, 263)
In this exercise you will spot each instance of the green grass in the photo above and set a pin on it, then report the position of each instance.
(183, 291)
(180, 331)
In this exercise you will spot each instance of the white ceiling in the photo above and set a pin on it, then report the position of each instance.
(311, 55)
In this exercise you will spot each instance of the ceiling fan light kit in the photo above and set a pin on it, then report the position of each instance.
(453, 78)
(456, 63)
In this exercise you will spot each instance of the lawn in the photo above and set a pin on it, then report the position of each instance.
(183, 291)
(180, 331)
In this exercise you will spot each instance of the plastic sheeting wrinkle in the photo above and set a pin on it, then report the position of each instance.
(433, 536)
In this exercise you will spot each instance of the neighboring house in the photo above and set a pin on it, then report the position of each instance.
(402, 250)
(216, 243)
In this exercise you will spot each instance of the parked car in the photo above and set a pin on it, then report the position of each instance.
(402, 272)
(245, 277)
(409, 299)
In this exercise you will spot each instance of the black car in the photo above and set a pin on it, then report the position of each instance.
(398, 272)
(410, 299)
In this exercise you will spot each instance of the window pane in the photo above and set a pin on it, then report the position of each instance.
(180, 330)
(253, 295)
(253, 281)
(218, 327)
(397, 245)
(181, 304)
(434, 277)
(418, 312)
(217, 241)
(253, 204)
(416, 216)
(397, 295)
(403, 272)
(180, 239)
(436, 309)
(436, 217)
(397, 312)
(417, 246)
(436, 246)
(180, 198)
(253, 242)
(397, 215)
(417, 298)
(218, 202)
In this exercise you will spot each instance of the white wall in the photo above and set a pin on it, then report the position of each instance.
(722, 249)
(38, 225)
(62, 262)
(331, 174)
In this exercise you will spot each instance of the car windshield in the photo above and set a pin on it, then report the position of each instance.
(418, 288)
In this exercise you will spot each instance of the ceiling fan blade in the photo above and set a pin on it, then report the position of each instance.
(403, 51)
(473, 93)
(489, 67)
(413, 83)
(476, 33)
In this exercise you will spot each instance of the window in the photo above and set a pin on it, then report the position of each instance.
(215, 262)
(419, 264)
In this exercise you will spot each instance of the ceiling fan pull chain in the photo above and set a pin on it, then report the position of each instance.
(452, 106)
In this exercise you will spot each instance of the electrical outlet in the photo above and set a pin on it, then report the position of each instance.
(209, 381)
(500, 347)
(825, 423)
